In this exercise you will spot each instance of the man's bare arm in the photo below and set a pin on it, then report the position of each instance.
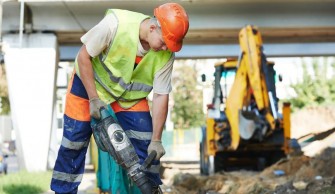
(86, 72)
(159, 113)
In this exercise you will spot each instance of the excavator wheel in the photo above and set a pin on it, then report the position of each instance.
(203, 158)
(206, 161)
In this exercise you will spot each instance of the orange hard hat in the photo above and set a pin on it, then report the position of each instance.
(173, 21)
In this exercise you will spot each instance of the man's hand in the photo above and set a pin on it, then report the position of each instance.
(95, 105)
(158, 147)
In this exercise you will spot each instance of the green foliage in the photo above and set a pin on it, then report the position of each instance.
(315, 88)
(25, 182)
(187, 108)
(3, 81)
(4, 99)
(4, 105)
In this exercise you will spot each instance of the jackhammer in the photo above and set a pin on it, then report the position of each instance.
(110, 137)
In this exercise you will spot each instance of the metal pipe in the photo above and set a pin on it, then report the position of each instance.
(21, 23)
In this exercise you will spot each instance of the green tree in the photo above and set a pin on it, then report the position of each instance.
(315, 88)
(187, 98)
(4, 99)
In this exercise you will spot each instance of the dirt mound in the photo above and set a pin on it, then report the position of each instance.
(324, 164)
(298, 174)
(303, 168)
(326, 185)
(301, 174)
(288, 166)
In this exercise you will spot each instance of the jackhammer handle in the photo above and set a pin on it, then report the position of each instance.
(147, 162)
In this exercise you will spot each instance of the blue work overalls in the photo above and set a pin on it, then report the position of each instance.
(69, 168)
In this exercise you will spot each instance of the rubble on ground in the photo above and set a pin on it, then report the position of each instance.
(311, 173)
(301, 174)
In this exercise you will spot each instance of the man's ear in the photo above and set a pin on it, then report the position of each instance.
(152, 27)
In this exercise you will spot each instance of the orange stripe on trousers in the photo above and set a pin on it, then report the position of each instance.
(77, 108)
(141, 106)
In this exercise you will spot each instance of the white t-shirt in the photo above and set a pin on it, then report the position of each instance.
(99, 38)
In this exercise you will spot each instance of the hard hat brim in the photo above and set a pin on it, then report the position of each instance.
(172, 45)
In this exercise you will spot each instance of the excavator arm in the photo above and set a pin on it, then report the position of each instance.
(250, 89)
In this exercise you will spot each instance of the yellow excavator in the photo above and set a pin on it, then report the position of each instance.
(244, 128)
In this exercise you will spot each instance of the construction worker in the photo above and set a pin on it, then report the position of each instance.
(123, 58)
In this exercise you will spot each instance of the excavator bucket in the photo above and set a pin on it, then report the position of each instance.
(247, 125)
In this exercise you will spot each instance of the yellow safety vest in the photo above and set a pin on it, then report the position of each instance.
(116, 77)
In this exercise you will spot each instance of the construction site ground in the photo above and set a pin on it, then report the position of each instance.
(310, 173)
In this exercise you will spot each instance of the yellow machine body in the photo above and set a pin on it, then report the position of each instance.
(247, 124)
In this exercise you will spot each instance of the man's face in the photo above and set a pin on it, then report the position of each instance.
(156, 40)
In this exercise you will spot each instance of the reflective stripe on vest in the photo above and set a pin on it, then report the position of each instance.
(133, 86)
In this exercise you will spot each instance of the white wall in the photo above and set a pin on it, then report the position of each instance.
(31, 74)
(5, 129)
